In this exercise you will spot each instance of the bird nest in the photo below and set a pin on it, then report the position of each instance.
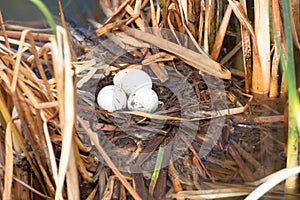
(191, 109)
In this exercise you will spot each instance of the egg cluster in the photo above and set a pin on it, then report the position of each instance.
(134, 84)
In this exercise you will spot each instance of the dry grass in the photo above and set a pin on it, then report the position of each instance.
(44, 156)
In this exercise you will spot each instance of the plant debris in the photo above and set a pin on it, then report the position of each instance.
(207, 139)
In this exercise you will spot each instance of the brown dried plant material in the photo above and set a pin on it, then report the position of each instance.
(109, 161)
(37, 36)
(247, 156)
(8, 163)
(244, 170)
(247, 53)
(274, 73)
(201, 23)
(158, 68)
(63, 23)
(160, 187)
(208, 25)
(140, 23)
(221, 34)
(261, 68)
(16, 134)
(108, 27)
(295, 8)
(4, 31)
(278, 26)
(231, 53)
(139, 180)
(242, 16)
(196, 160)
(258, 84)
(218, 193)
(192, 58)
(65, 92)
(118, 13)
(174, 179)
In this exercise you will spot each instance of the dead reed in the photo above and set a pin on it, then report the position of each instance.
(43, 148)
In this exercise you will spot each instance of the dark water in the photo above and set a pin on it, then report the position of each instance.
(76, 10)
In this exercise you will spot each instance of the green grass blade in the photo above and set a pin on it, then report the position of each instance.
(43, 8)
(288, 66)
(157, 167)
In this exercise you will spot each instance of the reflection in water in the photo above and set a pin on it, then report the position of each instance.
(76, 10)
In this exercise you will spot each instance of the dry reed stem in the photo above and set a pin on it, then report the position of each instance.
(8, 162)
(209, 13)
(40, 67)
(180, 178)
(65, 92)
(72, 172)
(231, 53)
(50, 148)
(279, 32)
(246, 48)
(118, 12)
(17, 136)
(221, 34)
(18, 60)
(184, 10)
(81, 168)
(63, 23)
(32, 132)
(178, 20)
(37, 36)
(137, 7)
(274, 73)
(295, 20)
(201, 22)
(272, 180)
(192, 58)
(157, 68)
(109, 161)
(175, 182)
(136, 17)
(257, 79)
(28, 186)
(283, 87)
(210, 193)
(245, 172)
(194, 41)
(261, 70)
(181, 14)
(247, 156)
(169, 22)
(25, 114)
(4, 31)
(198, 162)
(242, 16)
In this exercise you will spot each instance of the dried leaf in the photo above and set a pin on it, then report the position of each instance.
(192, 58)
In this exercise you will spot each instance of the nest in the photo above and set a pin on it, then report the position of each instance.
(133, 138)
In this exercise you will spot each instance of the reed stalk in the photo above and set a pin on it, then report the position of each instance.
(261, 71)
(246, 48)
(208, 25)
(274, 74)
(285, 46)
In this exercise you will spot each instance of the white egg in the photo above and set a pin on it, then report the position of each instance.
(130, 80)
(144, 99)
(112, 98)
